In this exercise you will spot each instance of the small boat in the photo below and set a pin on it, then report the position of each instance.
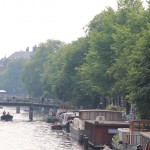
(7, 117)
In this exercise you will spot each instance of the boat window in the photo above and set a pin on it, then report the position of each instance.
(147, 127)
(92, 115)
(137, 126)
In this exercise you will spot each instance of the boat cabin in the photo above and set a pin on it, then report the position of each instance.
(100, 133)
(93, 113)
(68, 116)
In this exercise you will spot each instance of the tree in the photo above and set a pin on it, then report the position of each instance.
(60, 71)
(35, 67)
(95, 81)
(130, 22)
(10, 79)
(138, 75)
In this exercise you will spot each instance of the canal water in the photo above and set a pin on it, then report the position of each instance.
(20, 134)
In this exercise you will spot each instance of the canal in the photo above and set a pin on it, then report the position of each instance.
(20, 134)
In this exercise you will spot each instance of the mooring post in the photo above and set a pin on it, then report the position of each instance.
(81, 140)
(18, 110)
(86, 144)
(31, 113)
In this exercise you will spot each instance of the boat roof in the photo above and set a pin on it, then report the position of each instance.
(97, 110)
(145, 134)
(108, 122)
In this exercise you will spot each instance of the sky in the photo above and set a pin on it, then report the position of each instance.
(26, 23)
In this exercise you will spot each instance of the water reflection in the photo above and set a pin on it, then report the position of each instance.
(20, 134)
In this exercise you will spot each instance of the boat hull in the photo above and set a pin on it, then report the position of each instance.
(7, 117)
(76, 133)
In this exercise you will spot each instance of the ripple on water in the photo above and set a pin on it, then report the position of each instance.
(36, 135)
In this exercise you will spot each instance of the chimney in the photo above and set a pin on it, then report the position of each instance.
(27, 49)
(34, 48)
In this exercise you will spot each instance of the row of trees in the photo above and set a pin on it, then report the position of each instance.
(10, 77)
(112, 62)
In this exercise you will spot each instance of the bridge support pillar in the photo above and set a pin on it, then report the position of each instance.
(31, 113)
(18, 110)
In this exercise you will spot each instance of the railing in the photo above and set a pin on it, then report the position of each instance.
(15, 99)
(124, 146)
(130, 144)
(134, 139)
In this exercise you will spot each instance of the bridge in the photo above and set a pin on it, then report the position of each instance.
(29, 102)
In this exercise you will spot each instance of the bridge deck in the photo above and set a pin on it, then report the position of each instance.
(15, 101)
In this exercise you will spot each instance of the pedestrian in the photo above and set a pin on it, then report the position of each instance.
(42, 98)
(4, 113)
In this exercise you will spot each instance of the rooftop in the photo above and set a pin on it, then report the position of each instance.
(108, 122)
(20, 54)
(145, 134)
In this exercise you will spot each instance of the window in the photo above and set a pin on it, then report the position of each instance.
(146, 126)
(137, 126)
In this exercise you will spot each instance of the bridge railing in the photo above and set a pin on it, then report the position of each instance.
(14, 99)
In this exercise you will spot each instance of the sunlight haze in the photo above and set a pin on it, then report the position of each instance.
(26, 23)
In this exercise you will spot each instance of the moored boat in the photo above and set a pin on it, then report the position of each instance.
(77, 128)
(62, 121)
(138, 135)
(100, 132)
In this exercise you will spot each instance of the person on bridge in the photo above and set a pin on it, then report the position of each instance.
(42, 98)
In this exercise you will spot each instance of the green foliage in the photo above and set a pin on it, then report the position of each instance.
(10, 79)
(93, 73)
(112, 107)
(111, 61)
(138, 75)
(32, 73)
(116, 138)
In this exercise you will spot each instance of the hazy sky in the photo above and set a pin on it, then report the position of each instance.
(29, 22)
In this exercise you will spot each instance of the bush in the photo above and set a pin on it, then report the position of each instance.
(112, 107)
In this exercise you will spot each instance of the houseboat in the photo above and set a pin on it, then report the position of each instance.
(78, 126)
(138, 134)
(100, 132)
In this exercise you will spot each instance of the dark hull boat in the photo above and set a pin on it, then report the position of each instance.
(7, 117)
(52, 120)
(56, 127)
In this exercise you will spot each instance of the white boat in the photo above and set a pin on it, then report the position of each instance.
(131, 138)
(66, 118)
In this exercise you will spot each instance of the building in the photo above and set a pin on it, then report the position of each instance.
(16, 55)
(21, 54)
